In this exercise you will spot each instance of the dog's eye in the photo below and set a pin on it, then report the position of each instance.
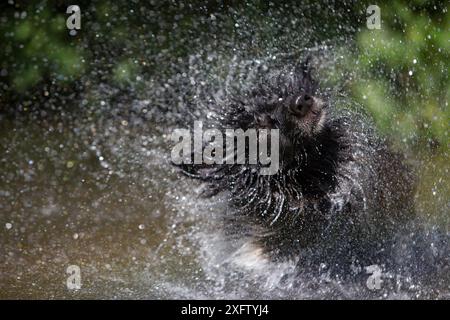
(265, 104)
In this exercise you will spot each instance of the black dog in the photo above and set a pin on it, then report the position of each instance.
(339, 189)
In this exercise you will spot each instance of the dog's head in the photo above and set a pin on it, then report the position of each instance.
(288, 102)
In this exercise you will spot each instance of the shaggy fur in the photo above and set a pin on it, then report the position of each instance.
(339, 190)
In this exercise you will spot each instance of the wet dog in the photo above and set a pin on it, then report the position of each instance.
(340, 190)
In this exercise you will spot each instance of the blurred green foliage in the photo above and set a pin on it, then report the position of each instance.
(35, 47)
(402, 72)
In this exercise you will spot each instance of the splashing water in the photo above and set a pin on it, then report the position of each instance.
(93, 186)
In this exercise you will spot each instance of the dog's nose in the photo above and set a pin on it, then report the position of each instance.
(301, 104)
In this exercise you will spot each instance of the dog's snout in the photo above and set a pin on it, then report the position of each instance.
(301, 104)
(306, 97)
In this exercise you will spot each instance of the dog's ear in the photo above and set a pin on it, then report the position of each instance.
(200, 171)
(305, 70)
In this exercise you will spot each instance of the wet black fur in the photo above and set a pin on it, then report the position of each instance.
(341, 193)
